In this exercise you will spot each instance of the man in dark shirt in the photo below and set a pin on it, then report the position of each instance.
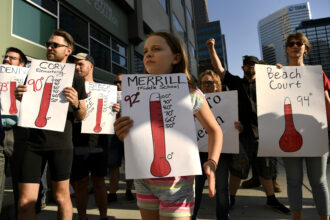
(53, 147)
(249, 137)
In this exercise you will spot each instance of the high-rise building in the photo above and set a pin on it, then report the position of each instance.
(112, 31)
(201, 13)
(318, 33)
(274, 29)
(204, 31)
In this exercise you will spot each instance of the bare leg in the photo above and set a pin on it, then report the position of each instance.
(100, 194)
(28, 195)
(268, 186)
(81, 195)
(114, 176)
(63, 200)
(296, 215)
(234, 183)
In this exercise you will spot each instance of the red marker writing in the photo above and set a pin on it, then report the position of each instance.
(98, 127)
(160, 166)
(291, 139)
(13, 108)
(41, 120)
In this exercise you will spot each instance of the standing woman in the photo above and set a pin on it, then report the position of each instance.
(209, 82)
(297, 46)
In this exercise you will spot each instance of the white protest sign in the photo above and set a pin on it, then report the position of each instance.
(44, 106)
(162, 141)
(224, 107)
(99, 117)
(10, 78)
(291, 111)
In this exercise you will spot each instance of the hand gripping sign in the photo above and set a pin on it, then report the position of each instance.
(162, 141)
(43, 106)
(100, 116)
(291, 111)
(10, 78)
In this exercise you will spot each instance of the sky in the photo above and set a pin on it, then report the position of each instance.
(239, 22)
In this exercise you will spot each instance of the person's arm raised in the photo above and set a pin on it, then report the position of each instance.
(216, 63)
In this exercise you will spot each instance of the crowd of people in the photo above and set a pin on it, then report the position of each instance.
(72, 157)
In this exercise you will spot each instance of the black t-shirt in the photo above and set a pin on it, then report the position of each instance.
(247, 105)
(54, 140)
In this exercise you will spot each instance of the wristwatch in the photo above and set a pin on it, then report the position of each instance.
(76, 109)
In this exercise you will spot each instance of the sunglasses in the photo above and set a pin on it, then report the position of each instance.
(54, 45)
(207, 83)
(9, 57)
(298, 43)
(118, 82)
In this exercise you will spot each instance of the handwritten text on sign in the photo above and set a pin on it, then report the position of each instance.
(100, 116)
(10, 78)
(291, 111)
(43, 106)
(225, 110)
(163, 130)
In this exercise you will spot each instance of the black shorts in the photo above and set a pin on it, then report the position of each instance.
(94, 163)
(115, 151)
(33, 164)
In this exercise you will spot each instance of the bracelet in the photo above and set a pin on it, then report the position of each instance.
(215, 165)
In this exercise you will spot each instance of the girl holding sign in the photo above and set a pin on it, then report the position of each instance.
(173, 197)
(297, 46)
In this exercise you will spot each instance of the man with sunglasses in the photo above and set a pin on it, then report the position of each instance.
(15, 57)
(247, 103)
(51, 146)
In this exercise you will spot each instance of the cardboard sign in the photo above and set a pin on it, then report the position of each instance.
(100, 117)
(224, 107)
(44, 106)
(291, 111)
(10, 78)
(162, 141)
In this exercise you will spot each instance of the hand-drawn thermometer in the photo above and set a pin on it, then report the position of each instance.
(41, 120)
(160, 166)
(13, 108)
(291, 139)
(98, 127)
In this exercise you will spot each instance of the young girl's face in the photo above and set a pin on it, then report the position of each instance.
(158, 56)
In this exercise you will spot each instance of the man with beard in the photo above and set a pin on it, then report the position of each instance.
(15, 57)
(249, 137)
(53, 147)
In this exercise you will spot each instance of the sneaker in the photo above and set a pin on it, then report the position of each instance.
(129, 195)
(277, 187)
(112, 197)
(251, 183)
(278, 207)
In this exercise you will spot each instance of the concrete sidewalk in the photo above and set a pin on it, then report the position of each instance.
(249, 204)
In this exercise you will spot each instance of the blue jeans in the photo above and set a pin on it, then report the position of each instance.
(316, 172)
(221, 185)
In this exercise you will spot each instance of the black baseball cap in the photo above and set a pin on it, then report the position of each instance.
(249, 59)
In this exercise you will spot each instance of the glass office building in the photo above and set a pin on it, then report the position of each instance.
(274, 29)
(318, 33)
(112, 31)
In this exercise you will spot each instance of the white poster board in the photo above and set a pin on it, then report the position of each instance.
(99, 117)
(44, 106)
(10, 78)
(291, 111)
(162, 141)
(224, 107)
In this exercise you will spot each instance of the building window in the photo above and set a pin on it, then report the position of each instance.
(189, 16)
(192, 50)
(32, 23)
(119, 55)
(177, 25)
(138, 63)
(164, 4)
(49, 5)
(101, 55)
(74, 25)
